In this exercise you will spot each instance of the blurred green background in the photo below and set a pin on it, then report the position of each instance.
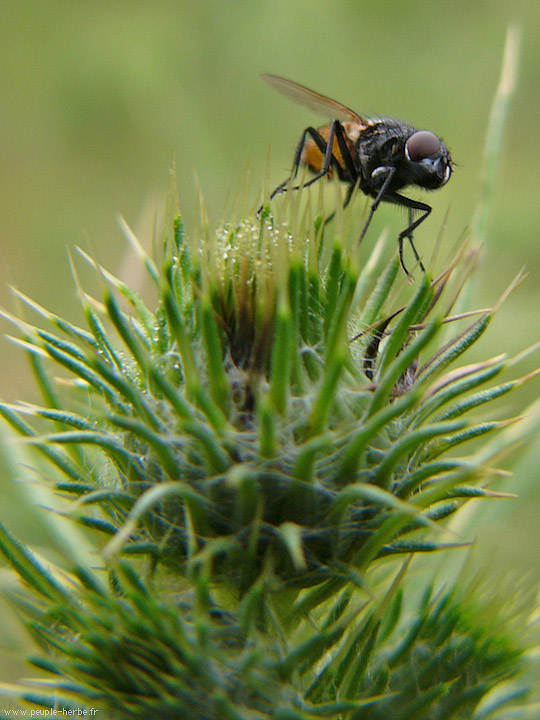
(98, 99)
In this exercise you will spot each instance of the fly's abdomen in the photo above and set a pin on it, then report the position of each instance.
(313, 157)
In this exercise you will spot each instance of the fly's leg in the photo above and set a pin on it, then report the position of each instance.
(413, 224)
(381, 195)
(398, 199)
(411, 242)
(326, 148)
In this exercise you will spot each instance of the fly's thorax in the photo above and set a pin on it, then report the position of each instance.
(416, 157)
(382, 145)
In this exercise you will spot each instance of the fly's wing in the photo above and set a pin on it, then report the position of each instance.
(313, 100)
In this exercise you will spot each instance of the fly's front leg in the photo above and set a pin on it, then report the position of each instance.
(410, 239)
(389, 174)
(413, 224)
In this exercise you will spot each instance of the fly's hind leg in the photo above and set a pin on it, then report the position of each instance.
(326, 148)
(323, 147)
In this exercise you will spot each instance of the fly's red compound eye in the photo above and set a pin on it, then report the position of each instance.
(421, 145)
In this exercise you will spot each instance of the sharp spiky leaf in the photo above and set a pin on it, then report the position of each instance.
(257, 454)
